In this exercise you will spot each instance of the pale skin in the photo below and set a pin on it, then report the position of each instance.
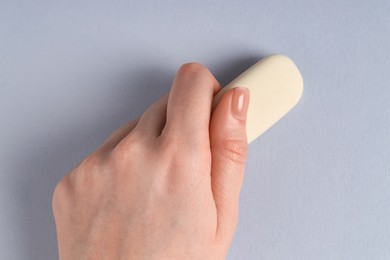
(165, 185)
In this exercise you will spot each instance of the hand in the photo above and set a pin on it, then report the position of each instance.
(164, 186)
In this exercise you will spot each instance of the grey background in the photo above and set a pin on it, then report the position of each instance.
(317, 184)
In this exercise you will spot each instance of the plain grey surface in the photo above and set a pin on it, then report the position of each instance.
(317, 184)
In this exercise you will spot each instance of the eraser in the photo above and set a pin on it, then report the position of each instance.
(275, 86)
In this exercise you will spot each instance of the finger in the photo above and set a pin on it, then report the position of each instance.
(229, 146)
(189, 103)
(152, 121)
(118, 135)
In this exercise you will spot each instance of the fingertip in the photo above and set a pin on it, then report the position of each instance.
(230, 114)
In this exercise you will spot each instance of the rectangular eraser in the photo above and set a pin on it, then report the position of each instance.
(275, 86)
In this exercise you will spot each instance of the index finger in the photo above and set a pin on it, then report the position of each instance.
(189, 103)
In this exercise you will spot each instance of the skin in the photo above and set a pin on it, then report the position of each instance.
(164, 186)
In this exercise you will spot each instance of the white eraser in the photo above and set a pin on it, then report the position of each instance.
(275, 85)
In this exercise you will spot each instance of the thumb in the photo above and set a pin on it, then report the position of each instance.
(229, 150)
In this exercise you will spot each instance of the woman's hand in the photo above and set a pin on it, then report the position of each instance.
(164, 186)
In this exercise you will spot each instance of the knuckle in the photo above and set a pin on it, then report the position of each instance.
(91, 162)
(151, 109)
(129, 148)
(131, 144)
(60, 193)
(86, 175)
(85, 179)
(194, 68)
(233, 150)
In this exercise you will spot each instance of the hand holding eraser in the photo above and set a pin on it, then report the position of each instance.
(275, 86)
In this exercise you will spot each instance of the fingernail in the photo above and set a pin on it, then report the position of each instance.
(240, 102)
